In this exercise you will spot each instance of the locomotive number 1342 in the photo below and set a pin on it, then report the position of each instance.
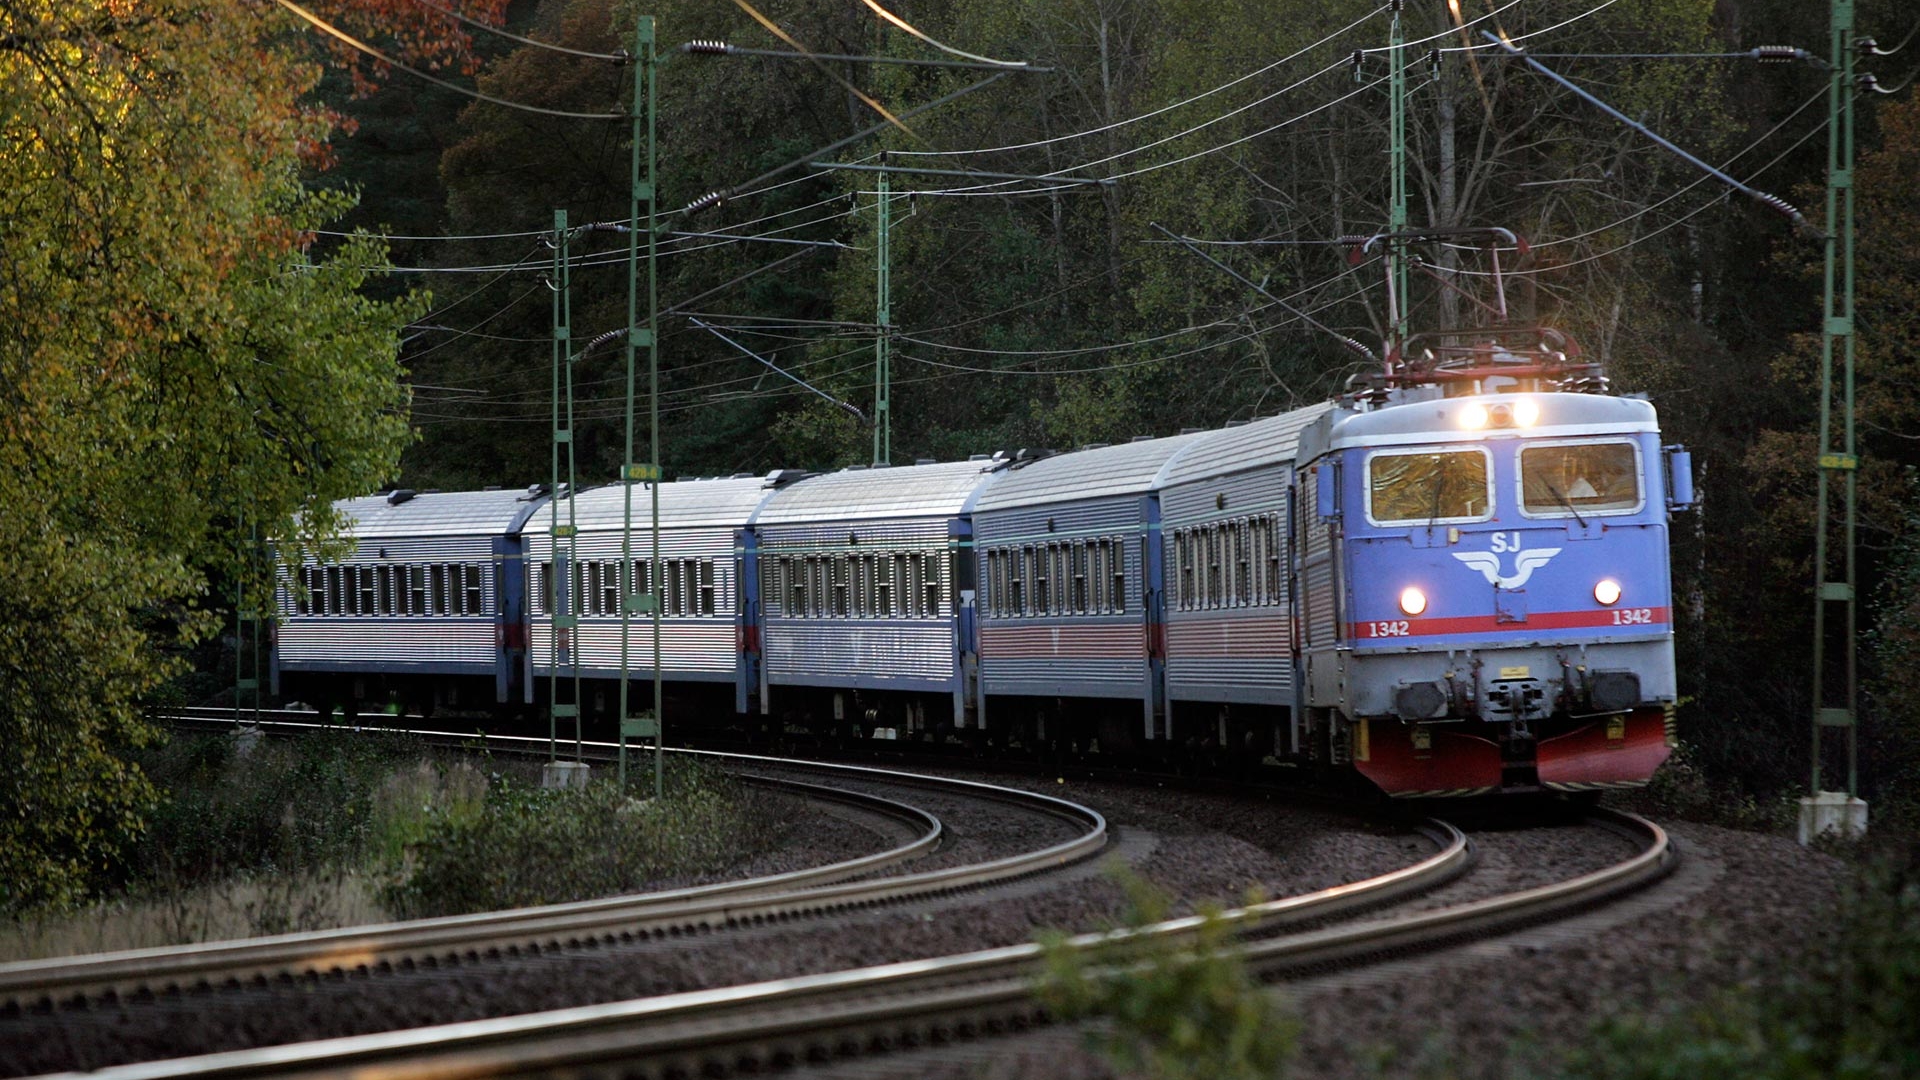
(1390, 628)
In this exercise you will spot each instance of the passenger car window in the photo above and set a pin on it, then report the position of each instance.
(1427, 486)
(1579, 478)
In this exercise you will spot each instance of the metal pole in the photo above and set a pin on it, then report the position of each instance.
(638, 336)
(576, 593)
(1836, 338)
(1397, 274)
(883, 325)
(560, 592)
(243, 656)
(653, 394)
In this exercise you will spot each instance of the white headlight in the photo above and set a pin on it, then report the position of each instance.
(1473, 417)
(1526, 412)
(1412, 600)
(1607, 591)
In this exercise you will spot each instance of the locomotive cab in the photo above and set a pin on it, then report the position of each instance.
(1485, 595)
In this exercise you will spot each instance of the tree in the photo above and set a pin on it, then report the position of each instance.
(179, 369)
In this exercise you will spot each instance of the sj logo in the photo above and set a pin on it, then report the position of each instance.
(1524, 563)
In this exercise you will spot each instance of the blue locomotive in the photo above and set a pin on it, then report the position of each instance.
(1453, 584)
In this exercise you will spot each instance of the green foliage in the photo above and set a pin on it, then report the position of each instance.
(1891, 718)
(1173, 1008)
(527, 846)
(1683, 789)
(180, 369)
(1847, 1014)
(285, 806)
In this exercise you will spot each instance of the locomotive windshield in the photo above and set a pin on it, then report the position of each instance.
(1426, 486)
(1558, 480)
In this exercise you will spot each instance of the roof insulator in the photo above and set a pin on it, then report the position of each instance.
(399, 496)
(706, 202)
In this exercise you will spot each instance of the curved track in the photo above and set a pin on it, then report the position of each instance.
(910, 1003)
(427, 942)
(775, 1021)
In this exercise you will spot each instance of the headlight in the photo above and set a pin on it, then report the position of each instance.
(1607, 591)
(1473, 417)
(1412, 600)
(1526, 412)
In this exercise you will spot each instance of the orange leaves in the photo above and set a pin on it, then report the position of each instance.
(414, 32)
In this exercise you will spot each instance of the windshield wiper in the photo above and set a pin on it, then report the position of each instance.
(1566, 502)
(1439, 485)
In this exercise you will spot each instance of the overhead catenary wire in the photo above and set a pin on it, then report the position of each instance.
(442, 310)
(549, 231)
(534, 397)
(618, 58)
(1246, 335)
(593, 260)
(503, 309)
(948, 49)
(335, 32)
(1117, 124)
(1676, 222)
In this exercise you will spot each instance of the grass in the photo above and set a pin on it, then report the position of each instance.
(342, 829)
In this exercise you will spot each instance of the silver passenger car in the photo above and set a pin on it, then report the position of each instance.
(696, 583)
(1226, 523)
(425, 607)
(1069, 547)
(866, 580)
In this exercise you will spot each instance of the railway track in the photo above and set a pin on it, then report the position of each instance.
(906, 1004)
(824, 1016)
(422, 943)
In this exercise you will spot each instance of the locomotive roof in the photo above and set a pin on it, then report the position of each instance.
(1236, 449)
(1439, 420)
(1127, 469)
(937, 490)
(437, 513)
(683, 504)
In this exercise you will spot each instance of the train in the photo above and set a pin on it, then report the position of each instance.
(1452, 583)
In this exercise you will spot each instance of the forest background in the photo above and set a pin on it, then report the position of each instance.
(1024, 314)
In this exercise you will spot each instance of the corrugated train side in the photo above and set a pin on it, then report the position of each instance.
(1237, 595)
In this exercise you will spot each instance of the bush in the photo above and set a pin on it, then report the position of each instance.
(1851, 1013)
(284, 805)
(1175, 1009)
(1682, 789)
(524, 846)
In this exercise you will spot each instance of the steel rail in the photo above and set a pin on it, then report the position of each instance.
(806, 892)
(455, 937)
(775, 1020)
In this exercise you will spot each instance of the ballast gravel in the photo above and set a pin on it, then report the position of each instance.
(1741, 904)
(1198, 848)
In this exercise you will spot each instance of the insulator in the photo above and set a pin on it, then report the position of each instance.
(1396, 6)
(1358, 58)
(706, 47)
(706, 202)
(1777, 54)
(1775, 202)
(1868, 47)
(1433, 60)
